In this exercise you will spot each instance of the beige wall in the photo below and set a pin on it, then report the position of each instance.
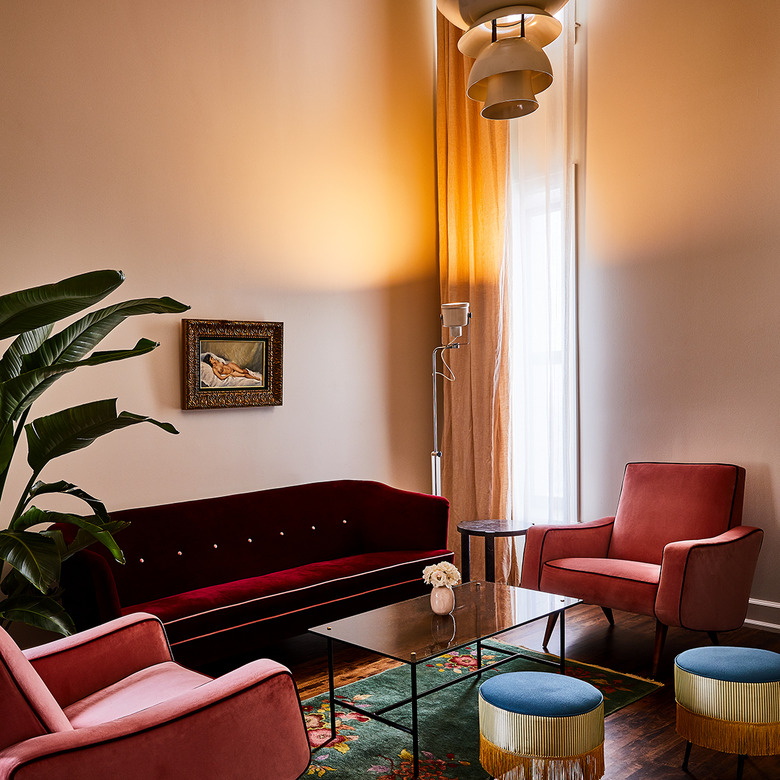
(679, 270)
(257, 163)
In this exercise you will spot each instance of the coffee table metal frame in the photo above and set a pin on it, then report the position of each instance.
(413, 661)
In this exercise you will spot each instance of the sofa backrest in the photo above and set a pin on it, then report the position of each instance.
(27, 707)
(670, 502)
(179, 547)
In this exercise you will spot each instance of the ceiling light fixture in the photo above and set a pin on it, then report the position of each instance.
(510, 67)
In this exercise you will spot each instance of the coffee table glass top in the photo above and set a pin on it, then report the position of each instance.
(410, 631)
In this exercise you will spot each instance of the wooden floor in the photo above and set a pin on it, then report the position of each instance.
(641, 741)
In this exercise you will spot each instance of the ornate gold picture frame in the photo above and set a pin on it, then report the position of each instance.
(232, 363)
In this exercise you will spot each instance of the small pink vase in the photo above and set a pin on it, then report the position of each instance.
(442, 600)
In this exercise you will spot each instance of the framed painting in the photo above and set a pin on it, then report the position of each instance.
(232, 363)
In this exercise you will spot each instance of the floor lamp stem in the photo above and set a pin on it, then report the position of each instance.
(436, 453)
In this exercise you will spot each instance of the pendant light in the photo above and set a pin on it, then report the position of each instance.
(507, 41)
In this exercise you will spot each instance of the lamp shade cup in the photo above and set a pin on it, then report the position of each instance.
(507, 76)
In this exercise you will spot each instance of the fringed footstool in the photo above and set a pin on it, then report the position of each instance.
(728, 699)
(541, 725)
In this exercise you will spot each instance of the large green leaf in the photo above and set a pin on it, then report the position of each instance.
(69, 489)
(81, 337)
(75, 428)
(12, 361)
(37, 610)
(33, 555)
(34, 516)
(84, 539)
(6, 446)
(37, 306)
(17, 394)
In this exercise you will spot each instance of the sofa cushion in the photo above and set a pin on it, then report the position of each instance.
(220, 607)
(608, 582)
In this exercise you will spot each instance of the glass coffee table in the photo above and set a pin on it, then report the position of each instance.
(412, 633)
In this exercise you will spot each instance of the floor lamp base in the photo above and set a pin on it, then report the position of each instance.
(436, 473)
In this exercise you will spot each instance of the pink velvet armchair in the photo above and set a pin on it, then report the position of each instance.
(676, 550)
(110, 703)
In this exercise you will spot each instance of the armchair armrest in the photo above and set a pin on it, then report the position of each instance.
(705, 583)
(549, 542)
(226, 728)
(75, 666)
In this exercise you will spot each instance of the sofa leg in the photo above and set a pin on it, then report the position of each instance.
(549, 629)
(713, 635)
(608, 615)
(660, 638)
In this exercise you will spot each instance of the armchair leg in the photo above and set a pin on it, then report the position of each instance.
(713, 635)
(660, 638)
(740, 766)
(549, 629)
(608, 615)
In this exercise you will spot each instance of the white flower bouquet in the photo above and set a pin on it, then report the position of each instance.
(441, 574)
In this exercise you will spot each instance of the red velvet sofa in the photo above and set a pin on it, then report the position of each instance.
(228, 574)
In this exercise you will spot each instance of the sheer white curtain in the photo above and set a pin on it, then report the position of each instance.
(541, 287)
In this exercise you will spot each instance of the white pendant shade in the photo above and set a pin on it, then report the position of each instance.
(540, 28)
(507, 76)
(467, 13)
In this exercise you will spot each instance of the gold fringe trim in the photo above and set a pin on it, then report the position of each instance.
(505, 765)
(747, 739)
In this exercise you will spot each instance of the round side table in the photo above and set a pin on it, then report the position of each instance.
(490, 529)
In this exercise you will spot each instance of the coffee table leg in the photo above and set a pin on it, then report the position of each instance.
(332, 690)
(563, 642)
(415, 735)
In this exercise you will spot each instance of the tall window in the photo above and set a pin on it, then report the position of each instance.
(542, 290)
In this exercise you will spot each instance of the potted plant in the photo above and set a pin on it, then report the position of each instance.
(31, 552)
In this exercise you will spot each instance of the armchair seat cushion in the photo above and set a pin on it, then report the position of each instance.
(208, 610)
(137, 692)
(609, 582)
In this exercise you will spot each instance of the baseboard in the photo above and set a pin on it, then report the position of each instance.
(763, 614)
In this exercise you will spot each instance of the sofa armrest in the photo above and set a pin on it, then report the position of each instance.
(549, 542)
(397, 519)
(75, 666)
(89, 589)
(227, 728)
(705, 583)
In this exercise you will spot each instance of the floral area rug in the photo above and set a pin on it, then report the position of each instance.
(449, 728)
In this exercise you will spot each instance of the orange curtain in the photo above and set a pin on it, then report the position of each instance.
(472, 159)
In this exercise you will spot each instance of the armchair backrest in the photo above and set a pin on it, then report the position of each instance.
(27, 707)
(670, 502)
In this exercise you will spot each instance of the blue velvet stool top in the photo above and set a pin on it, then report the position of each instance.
(731, 664)
(540, 693)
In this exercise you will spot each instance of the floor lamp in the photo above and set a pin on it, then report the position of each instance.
(454, 317)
